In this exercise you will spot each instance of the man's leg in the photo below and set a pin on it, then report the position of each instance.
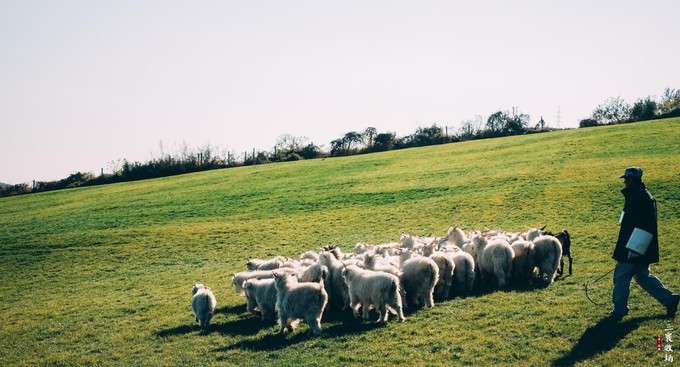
(623, 273)
(653, 286)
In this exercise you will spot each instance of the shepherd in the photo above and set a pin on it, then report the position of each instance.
(637, 247)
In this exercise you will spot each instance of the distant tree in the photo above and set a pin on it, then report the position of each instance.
(495, 121)
(368, 136)
(516, 124)
(588, 123)
(643, 109)
(467, 129)
(338, 147)
(384, 141)
(670, 101)
(310, 151)
(613, 111)
(352, 138)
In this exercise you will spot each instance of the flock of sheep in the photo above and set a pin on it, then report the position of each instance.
(389, 277)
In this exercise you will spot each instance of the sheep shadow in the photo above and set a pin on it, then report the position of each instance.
(599, 338)
(235, 309)
(247, 325)
(274, 341)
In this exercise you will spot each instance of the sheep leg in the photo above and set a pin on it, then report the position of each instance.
(382, 314)
(315, 326)
(365, 308)
(282, 325)
(560, 270)
(569, 264)
(355, 309)
(429, 299)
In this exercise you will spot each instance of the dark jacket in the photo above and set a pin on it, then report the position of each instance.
(639, 212)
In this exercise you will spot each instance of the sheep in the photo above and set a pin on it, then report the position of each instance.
(420, 275)
(309, 255)
(457, 236)
(495, 259)
(376, 289)
(376, 263)
(565, 240)
(335, 250)
(446, 266)
(338, 291)
(523, 262)
(295, 301)
(261, 294)
(238, 278)
(534, 233)
(464, 271)
(547, 257)
(291, 263)
(259, 264)
(203, 304)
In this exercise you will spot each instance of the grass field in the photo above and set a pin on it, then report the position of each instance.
(102, 275)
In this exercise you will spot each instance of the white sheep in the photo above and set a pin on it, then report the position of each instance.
(444, 261)
(309, 255)
(547, 257)
(203, 304)
(456, 236)
(295, 301)
(420, 275)
(377, 263)
(464, 271)
(270, 264)
(495, 259)
(375, 289)
(338, 292)
(238, 279)
(261, 295)
(534, 233)
(523, 262)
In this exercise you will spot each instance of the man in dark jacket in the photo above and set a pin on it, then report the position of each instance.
(639, 211)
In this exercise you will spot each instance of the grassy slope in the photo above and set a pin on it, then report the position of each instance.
(102, 275)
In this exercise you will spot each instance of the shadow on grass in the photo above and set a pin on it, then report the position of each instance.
(599, 338)
(249, 325)
(231, 309)
(275, 341)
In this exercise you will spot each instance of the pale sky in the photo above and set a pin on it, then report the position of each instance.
(84, 83)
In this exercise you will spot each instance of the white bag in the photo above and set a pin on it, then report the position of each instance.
(638, 242)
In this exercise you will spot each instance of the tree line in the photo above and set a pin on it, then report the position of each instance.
(616, 110)
(293, 148)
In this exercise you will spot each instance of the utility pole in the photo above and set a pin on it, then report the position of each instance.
(559, 116)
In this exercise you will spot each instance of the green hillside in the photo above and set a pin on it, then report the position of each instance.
(102, 275)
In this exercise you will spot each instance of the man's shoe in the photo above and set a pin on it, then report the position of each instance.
(673, 307)
(615, 316)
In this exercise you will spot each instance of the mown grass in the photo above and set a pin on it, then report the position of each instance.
(102, 275)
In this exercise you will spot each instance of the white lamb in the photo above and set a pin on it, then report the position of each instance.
(495, 259)
(259, 264)
(261, 295)
(523, 262)
(299, 301)
(203, 304)
(420, 275)
(464, 271)
(375, 289)
(547, 258)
